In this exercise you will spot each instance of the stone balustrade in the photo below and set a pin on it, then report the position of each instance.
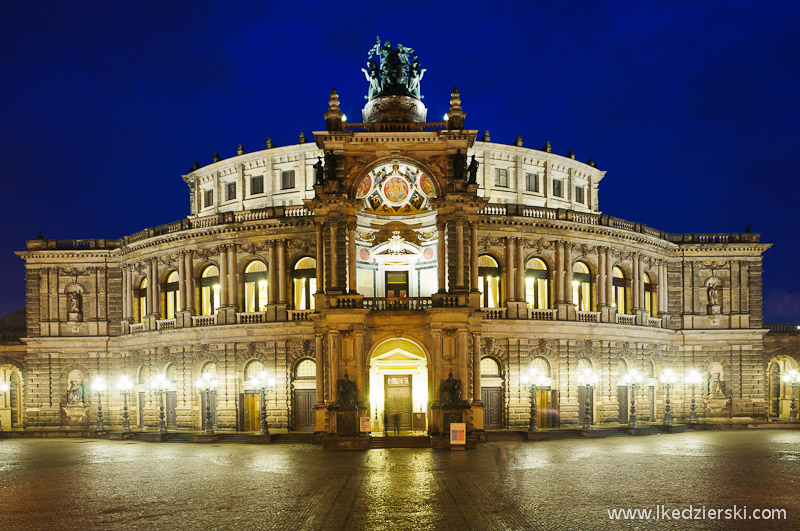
(625, 319)
(204, 320)
(137, 327)
(588, 317)
(397, 303)
(541, 314)
(654, 322)
(783, 327)
(250, 317)
(165, 324)
(494, 313)
(396, 127)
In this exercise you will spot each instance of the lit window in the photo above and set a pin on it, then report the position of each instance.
(287, 179)
(537, 284)
(501, 177)
(532, 182)
(171, 295)
(304, 283)
(490, 367)
(306, 369)
(558, 190)
(208, 199)
(581, 287)
(230, 191)
(620, 285)
(649, 296)
(579, 194)
(489, 281)
(253, 370)
(255, 287)
(140, 295)
(257, 185)
(209, 290)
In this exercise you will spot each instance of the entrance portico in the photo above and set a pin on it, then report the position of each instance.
(398, 384)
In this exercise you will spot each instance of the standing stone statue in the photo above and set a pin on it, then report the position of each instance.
(451, 391)
(347, 391)
(75, 394)
(473, 171)
(397, 72)
(319, 172)
(713, 294)
(414, 78)
(374, 79)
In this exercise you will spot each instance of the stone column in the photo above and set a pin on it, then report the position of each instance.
(223, 276)
(567, 272)
(460, 253)
(602, 299)
(509, 269)
(662, 289)
(233, 292)
(281, 271)
(153, 299)
(462, 362)
(320, 259)
(558, 273)
(473, 256)
(181, 282)
(442, 256)
(272, 293)
(189, 282)
(609, 278)
(520, 276)
(334, 273)
(320, 369)
(476, 368)
(333, 354)
(635, 275)
(125, 292)
(358, 352)
(351, 257)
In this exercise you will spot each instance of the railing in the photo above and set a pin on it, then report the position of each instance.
(252, 215)
(784, 327)
(137, 327)
(296, 211)
(72, 245)
(396, 127)
(541, 213)
(397, 303)
(625, 319)
(494, 313)
(541, 314)
(494, 210)
(250, 317)
(204, 320)
(588, 317)
(165, 324)
(588, 219)
(300, 315)
(654, 322)
(11, 337)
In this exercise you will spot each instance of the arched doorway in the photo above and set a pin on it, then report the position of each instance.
(398, 383)
(304, 387)
(780, 392)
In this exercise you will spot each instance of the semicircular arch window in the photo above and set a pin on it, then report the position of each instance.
(395, 189)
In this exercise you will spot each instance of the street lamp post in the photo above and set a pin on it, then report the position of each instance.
(4, 387)
(693, 379)
(99, 386)
(206, 384)
(159, 384)
(667, 378)
(124, 384)
(793, 378)
(632, 378)
(587, 379)
(534, 378)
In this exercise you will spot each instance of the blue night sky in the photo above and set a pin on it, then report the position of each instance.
(691, 107)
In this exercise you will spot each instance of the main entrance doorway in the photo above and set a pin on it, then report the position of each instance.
(398, 402)
(398, 387)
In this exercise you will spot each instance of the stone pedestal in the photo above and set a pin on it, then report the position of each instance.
(226, 315)
(516, 310)
(76, 416)
(395, 108)
(565, 311)
(183, 319)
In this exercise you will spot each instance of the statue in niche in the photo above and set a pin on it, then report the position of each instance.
(347, 391)
(74, 301)
(472, 170)
(713, 294)
(75, 393)
(716, 385)
(319, 172)
(451, 391)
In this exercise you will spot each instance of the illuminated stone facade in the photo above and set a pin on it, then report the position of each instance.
(383, 254)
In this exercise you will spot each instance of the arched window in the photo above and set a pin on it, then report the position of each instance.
(489, 281)
(649, 296)
(304, 283)
(622, 370)
(541, 365)
(170, 373)
(306, 370)
(620, 285)
(209, 368)
(537, 292)
(209, 290)
(140, 295)
(253, 370)
(584, 364)
(255, 287)
(141, 378)
(171, 296)
(581, 287)
(489, 367)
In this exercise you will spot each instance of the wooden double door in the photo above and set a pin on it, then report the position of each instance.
(398, 402)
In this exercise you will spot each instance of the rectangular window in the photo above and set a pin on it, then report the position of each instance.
(557, 190)
(208, 200)
(230, 191)
(579, 194)
(532, 182)
(287, 179)
(501, 177)
(257, 185)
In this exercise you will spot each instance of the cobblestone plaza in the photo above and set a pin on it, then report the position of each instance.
(568, 484)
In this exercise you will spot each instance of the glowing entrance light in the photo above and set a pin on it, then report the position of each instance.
(399, 363)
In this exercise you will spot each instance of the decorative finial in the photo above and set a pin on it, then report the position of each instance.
(518, 141)
(486, 137)
(240, 150)
(217, 158)
(195, 166)
(548, 148)
(302, 138)
(270, 145)
(334, 100)
(571, 154)
(591, 163)
(455, 116)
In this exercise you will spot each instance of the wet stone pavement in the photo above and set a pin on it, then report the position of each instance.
(568, 484)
